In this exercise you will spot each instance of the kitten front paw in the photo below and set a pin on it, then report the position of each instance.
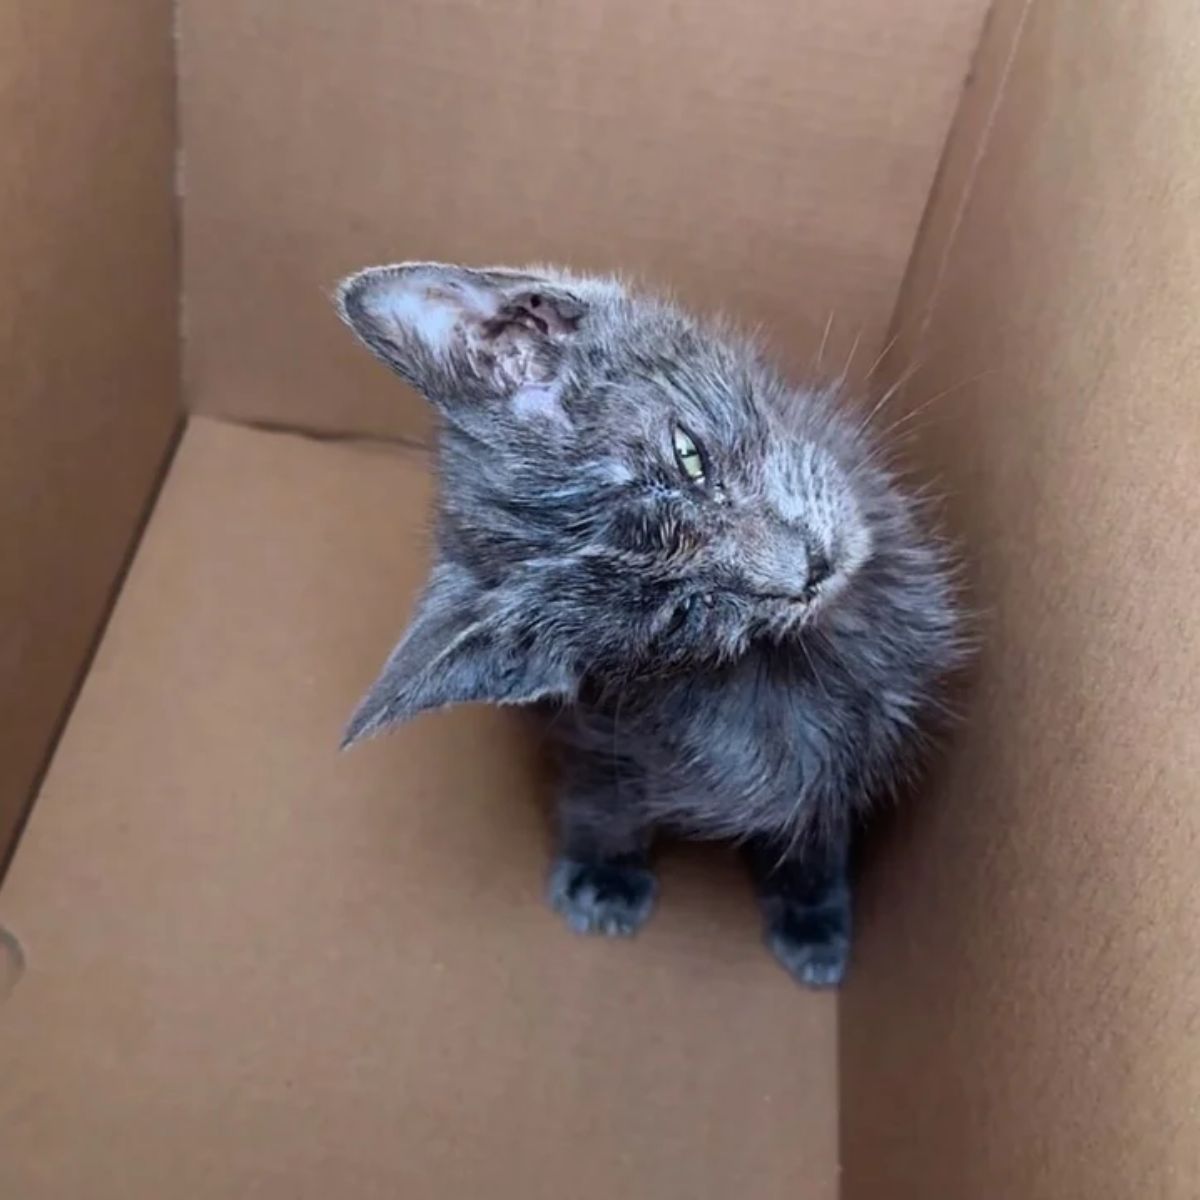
(812, 943)
(600, 897)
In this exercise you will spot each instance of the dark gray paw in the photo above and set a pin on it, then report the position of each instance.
(812, 943)
(609, 898)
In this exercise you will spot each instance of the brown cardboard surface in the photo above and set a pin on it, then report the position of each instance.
(88, 351)
(986, 84)
(769, 158)
(258, 968)
(241, 964)
(1023, 1022)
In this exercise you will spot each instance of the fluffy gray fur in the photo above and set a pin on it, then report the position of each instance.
(753, 654)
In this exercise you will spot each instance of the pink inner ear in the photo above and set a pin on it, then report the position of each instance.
(535, 313)
(540, 402)
(520, 346)
(554, 316)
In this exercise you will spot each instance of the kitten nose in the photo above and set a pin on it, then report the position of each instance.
(781, 561)
(819, 570)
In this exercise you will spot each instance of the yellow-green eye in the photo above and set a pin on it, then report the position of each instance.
(688, 456)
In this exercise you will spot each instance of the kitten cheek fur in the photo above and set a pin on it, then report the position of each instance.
(757, 654)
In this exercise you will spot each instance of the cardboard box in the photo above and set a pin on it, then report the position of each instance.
(239, 964)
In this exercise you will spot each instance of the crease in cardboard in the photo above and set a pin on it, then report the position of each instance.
(364, 441)
(8, 852)
(982, 142)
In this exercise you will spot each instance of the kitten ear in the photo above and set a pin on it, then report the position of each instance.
(462, 336)
(461, 647)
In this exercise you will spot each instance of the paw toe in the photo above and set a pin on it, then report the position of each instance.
(602, 898)
(814, 951)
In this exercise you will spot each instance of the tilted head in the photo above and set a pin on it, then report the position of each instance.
(624, 490)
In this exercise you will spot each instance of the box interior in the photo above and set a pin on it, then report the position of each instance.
(770, 159)
(89, 345)
(1029, 932)
(241, 964)
(285, 969)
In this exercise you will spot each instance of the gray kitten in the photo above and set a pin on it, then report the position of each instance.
(704, 574)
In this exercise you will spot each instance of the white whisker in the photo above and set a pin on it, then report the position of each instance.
(824, 341)
(845, 375)
(905, 377)
(887, 349)
(916, 412)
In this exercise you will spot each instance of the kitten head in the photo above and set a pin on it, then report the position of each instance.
(624, 491)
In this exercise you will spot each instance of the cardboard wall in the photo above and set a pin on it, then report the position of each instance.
(88, 347)
(768, 157)
(1023, 1020)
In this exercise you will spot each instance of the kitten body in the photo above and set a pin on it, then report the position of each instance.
(725, 599)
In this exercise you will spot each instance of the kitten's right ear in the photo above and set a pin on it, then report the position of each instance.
(463, 646)
(462, 336)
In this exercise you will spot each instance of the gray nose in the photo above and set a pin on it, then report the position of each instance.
(781, 561)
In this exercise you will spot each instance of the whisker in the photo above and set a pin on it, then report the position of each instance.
(905, 378)
(916, 412)
(891, 342)
(841, 380)
(890, 455)
(824, 341)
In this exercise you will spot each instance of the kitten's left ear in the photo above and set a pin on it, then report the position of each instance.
(463, 336)
(462, 646)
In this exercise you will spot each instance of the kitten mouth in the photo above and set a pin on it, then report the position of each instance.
(797, 599)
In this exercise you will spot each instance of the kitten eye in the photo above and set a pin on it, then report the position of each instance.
(680, 615)
(688, 455)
